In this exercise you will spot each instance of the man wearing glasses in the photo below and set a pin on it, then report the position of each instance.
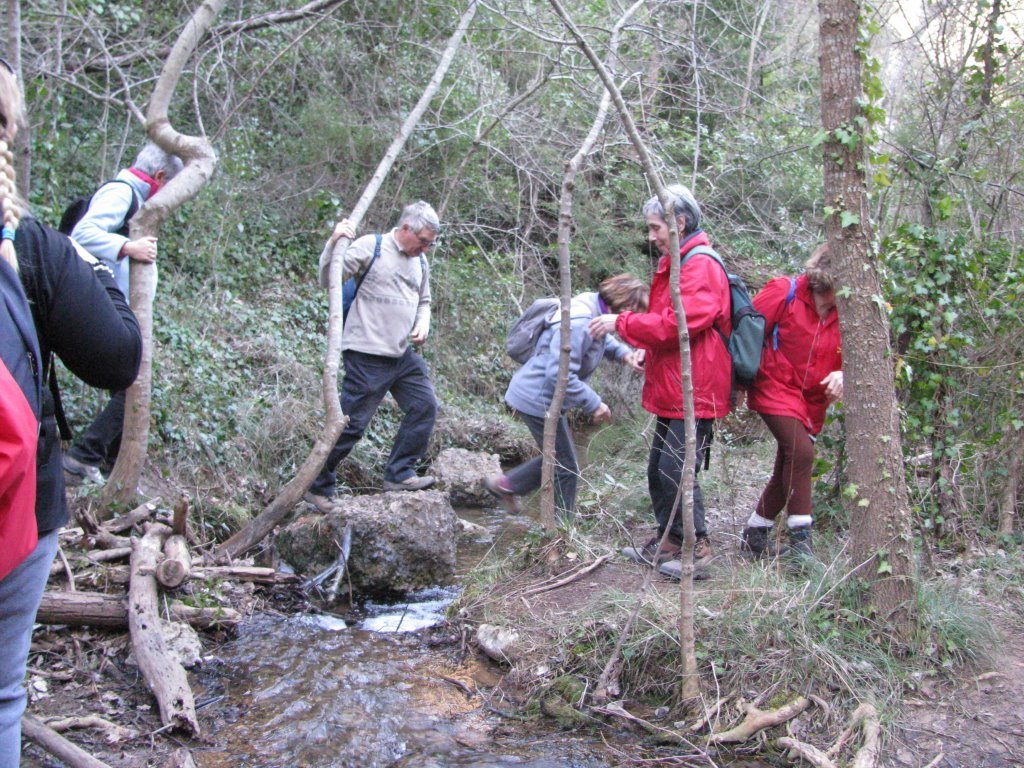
(391, 308)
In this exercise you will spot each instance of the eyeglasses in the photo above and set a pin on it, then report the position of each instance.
(425, 242)
(8, 66)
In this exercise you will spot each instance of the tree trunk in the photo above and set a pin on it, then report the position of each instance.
(200, 159)
(690, 686)
(254, 531)
(23, 141)
(877, 494)
(572, 166)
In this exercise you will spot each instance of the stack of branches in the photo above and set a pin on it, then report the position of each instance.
(145, 561)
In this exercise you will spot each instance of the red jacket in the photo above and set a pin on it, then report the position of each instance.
(704, 290)
(809, 348)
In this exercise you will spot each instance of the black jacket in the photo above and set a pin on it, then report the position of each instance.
(82, 317)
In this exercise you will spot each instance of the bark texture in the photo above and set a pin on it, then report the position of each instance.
(877, 494)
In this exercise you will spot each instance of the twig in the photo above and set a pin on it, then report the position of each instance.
(583, 571)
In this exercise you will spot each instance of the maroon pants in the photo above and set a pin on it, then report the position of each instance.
(790, 484)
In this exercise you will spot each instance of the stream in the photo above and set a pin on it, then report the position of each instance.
(368, 691)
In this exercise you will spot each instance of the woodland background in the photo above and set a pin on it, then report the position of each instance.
(300, 102)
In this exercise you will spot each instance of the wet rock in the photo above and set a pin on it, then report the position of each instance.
(462, 473)
(470, 530)
(401, 541)
(500, 643)
(497, 433)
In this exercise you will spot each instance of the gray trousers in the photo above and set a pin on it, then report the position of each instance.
(20, 593)
(527, 476)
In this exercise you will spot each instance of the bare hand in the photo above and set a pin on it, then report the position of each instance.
(635, 360)
(143, 249)
(342, 229)
(833, 386)
(603, 415)
(602, 325)
(417, 336)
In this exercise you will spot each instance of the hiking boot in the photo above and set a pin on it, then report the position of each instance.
(411, 483)
(754, 540)
(320, 503)
(505, 497)
(653, 554)
(674, 570)
(800, 545)
(702, 551)
(89, 472)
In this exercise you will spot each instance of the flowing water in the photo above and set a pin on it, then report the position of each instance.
(370, 692)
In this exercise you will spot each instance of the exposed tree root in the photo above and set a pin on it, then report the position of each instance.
(866, 717)
(757, 720)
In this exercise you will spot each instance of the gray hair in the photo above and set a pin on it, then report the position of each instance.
(685, 205)
(152, 159)
(419, 216)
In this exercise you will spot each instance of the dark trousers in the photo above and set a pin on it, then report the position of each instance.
(665, 473)
(102, 440)
(368, 378)
(526, 477)
(790, 484)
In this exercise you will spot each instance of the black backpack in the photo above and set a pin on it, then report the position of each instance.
(747, 339)
(78, 207)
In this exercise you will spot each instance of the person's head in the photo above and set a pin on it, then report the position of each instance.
(10, 115)
(687, 213)
(159, 165)
(817, 268)
(418, 227)
(624, 293)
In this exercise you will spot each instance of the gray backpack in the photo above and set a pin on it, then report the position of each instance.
(522, 337)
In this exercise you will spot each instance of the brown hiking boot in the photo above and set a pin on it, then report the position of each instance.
(702, 550)
(670, 550)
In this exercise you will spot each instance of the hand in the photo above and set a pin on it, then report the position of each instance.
(602, 325)
(342, 229)
(417, 336)
(635, 359)
(833, 384)
(143, 249)
(603, 415)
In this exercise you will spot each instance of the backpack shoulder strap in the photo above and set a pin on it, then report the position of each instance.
(133, 206)
(790, 295)
(376, 255)
(707, 252)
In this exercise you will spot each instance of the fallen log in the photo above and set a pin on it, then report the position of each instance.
(107, 555)
(51, 741)
(95, 609)
(165, 676)
(243, 573)
(138, 515)
(176, 567)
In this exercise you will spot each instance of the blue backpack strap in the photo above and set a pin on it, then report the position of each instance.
(376, 254)
(790, 295)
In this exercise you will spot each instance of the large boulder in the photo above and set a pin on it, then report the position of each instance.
(462, 473)
(401, 541)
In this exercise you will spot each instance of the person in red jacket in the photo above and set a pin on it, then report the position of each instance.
(800, 375)
(704, 290)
